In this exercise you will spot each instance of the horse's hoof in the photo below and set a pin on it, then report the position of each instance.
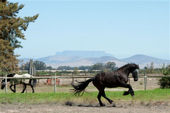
(111, 101)
(102, 105)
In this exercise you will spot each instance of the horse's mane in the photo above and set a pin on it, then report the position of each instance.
(11, 75)
(125, 66)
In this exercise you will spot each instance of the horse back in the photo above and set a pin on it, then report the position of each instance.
(108, 79)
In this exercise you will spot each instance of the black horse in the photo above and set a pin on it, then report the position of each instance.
(118, 78)
(16, 80)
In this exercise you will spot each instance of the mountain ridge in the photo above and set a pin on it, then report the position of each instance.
(87, 58)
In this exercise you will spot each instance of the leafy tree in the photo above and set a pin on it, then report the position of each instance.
(25, 66)
(151, 67)
(11, 31)
(166, 71)
(49, 67)
(8, 61)
(75, 71)
(110, 66)
(98, 66)
(84, 68)
(39, 65)
(164, 82)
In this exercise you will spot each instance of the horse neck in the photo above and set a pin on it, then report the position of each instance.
(10, 75)
(125, 70)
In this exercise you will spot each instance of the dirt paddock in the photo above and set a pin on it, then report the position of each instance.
(157, 107)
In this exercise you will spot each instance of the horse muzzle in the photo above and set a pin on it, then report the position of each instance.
(135, 74)
(2, 86)
(135, 79)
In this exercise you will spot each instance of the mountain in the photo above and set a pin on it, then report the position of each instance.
(145, 60)
(84, 54)
(79, 58)
(76, 56)
(87, 58)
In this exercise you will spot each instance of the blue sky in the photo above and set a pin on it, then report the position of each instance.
(120, 27)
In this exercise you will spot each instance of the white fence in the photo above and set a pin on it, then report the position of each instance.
(53, 78)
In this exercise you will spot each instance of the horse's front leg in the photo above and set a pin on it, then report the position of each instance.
(15, 87)
(130, 89)
(13, 90)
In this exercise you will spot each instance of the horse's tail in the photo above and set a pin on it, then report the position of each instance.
(33, 81)
(81, 86)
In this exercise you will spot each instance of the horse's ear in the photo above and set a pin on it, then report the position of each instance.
(137, 66)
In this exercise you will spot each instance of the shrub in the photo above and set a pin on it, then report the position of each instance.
(164, 82)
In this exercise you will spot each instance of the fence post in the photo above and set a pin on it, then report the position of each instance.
(145, 80)
(6, 84)
(72, 78)
(55, 83)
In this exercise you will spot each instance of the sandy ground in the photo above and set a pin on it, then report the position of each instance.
(159, 107)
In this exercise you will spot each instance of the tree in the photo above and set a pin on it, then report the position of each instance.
(110, 66)
(39, 65)
(166, 71)
(76, 71)
(11, 31)
(84, 67)
(151, 67)
(98, 66)
(49, 67)
(8, 61)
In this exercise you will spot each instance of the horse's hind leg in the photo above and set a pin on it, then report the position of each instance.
(104, 95)
(25, 86)
(97, 85)
(99, 99)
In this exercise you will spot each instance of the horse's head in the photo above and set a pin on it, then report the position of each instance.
(130, 68)
(135, 71)
(3, 84)
(135, 75)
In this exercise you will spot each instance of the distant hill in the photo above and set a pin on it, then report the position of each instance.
(86, 58)
(140, 59)
(84, 54)
(145, 60)
(79, 58)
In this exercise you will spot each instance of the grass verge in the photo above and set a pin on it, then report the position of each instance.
(88, 97)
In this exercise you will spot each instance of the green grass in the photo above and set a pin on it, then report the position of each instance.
(88, 97)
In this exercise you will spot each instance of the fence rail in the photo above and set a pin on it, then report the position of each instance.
(72, 77)
(65, 77)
